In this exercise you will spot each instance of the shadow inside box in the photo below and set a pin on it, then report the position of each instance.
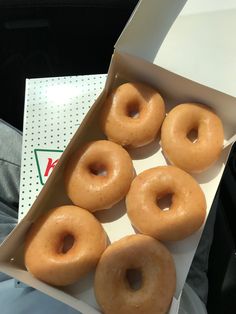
(82, 288)
(113, 213)
(186, 245)
(213, 171)
(210, 173)
(144, 151)
(135, 230)
(166, 160)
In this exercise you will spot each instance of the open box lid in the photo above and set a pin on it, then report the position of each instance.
(197, 44)
(147, 27)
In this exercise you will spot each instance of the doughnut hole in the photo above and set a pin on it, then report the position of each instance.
(134, 278)
(66, 244)
(133, 110)
(164, 202)
(192, 135)
(98, 169)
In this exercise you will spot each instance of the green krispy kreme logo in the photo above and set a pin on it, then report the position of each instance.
(46, 160)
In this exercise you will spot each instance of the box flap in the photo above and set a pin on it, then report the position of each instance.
(204, 6)
(200, 46)
(148, 26)
(193, 40)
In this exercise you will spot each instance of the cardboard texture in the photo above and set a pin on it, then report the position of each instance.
(175, 89)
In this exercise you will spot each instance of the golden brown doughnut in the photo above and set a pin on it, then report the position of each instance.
(179, 149)
(154, 268)
(98, 175)
(63, 245)
(132, 115)
(186, 213)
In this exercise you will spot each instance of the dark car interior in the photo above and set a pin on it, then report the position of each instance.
(222, 259)
(46, 38)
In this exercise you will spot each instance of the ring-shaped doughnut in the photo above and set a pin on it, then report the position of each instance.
(187, 209)
(115, 289)
(198, 155)
(98, 175)
(132, 115)
(64, 244)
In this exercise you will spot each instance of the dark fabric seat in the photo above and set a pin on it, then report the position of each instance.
(222, 259)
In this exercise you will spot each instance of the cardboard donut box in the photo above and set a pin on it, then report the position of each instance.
(133, 60)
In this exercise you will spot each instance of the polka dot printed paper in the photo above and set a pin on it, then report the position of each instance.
(54, 109)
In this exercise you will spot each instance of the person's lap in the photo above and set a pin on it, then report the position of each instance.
(28, 300)
(17, 300)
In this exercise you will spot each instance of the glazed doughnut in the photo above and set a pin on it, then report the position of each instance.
(179, 149)
(187, 210)
(132, 115)
(146, 259)
(63, 245)
(98, 175)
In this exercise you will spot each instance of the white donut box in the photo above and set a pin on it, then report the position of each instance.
(163, 45)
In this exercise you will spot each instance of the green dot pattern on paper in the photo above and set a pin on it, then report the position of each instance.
(54, 109)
